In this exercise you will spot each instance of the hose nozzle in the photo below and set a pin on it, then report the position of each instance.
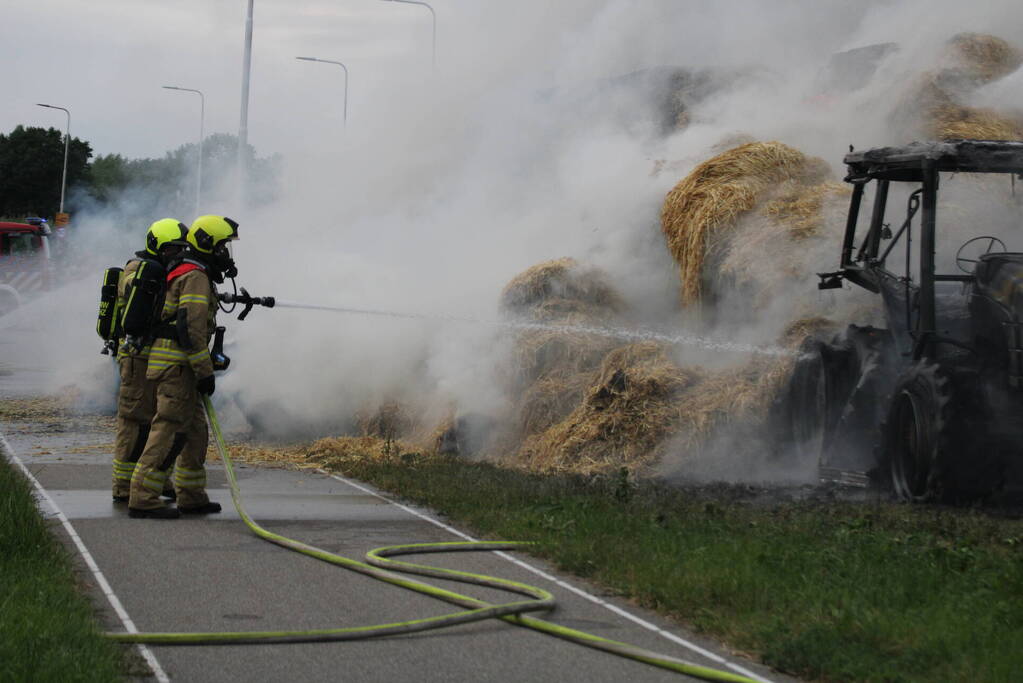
(243, 297)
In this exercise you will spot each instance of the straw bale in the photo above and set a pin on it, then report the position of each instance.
(699, 210)
(550, 400)
(985, 56)
(559, 293)
(769, 252)
(542, 352)
(798, 330)
(800, 207)
(623, 418)
(970, 60)
(550, 367)
(565, 311)
(953, 122)
(937, 106)
(727, 397)
(642, 403)
(577, 287)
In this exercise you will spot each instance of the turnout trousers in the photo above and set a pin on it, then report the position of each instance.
(178, 433)
(136, 405)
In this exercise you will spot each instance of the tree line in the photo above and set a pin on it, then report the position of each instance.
(134, 190)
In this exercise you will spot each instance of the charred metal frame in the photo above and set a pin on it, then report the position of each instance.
(919, 163)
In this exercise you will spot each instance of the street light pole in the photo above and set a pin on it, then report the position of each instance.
(330, 61)
(433, 14)
(243, 124)
(67, 142)
(202, 123)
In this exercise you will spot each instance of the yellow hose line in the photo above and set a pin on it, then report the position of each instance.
(378, 566)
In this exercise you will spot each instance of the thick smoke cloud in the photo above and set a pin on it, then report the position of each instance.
(525, 144)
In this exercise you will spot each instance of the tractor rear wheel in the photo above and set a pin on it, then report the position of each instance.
(808, 405)
(915, 434)
(817, 390)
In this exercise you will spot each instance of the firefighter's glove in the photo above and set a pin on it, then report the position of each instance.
(206, 385)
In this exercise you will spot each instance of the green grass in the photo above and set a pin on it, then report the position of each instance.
(47, 628)
(833, 592)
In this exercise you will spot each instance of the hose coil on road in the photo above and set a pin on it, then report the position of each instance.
(379, 566)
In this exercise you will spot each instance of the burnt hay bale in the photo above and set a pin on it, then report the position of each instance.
(626, 413)
(701, 209)
(556, 288)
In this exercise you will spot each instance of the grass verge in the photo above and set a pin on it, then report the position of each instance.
(47, 628)
(824, 591)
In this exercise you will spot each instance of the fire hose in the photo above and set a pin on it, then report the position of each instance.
(379, 566)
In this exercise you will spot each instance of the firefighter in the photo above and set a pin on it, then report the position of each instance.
(136, 399)
(182, 370)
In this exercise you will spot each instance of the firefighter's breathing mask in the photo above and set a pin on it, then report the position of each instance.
(223, 259)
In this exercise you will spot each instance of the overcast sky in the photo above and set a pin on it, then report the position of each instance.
(106, 61)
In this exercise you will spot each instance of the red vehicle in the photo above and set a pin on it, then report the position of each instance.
(26, 266)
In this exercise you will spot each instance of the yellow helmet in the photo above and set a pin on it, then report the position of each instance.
(207, 232)
(163, 232)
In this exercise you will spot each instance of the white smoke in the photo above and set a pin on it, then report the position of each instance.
(523, 145)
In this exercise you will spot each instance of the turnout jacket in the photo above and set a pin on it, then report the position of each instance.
(191, 304)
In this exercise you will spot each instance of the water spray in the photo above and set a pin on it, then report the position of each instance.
(599, 331)
(640, 334)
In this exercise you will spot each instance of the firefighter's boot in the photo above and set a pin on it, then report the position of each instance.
(155, 513)
(175, 406)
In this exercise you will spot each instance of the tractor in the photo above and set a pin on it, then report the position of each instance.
(928, 404)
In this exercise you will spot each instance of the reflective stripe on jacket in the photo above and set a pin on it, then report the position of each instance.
(193, 292)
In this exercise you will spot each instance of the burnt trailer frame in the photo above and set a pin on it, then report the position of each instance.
(900, 406)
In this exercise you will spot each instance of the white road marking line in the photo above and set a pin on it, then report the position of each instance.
(578, 591)
(104, 585)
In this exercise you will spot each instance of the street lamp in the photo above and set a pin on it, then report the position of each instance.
(434, 14)
(330, 61)
(202, 121)
(67, 141)
(243, 123)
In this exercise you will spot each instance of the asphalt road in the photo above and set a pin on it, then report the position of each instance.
(213, 574)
